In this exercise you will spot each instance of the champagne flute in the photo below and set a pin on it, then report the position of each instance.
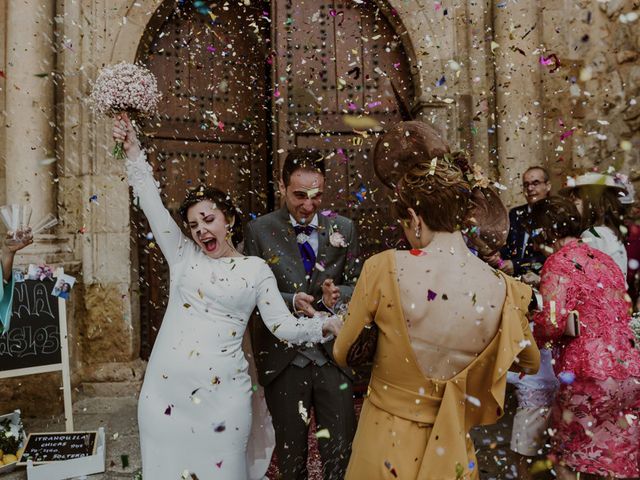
(45, 223)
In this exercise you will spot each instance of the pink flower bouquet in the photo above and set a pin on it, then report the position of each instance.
(125, 87)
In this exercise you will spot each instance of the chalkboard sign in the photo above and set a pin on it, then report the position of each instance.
(56, 447)
(33, 338)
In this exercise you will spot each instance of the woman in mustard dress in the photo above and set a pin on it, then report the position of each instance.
(450, 327)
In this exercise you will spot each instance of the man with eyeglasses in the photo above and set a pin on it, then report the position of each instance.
(533, 392)
(518, 256)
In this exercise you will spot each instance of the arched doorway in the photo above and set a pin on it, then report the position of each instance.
(242, 85)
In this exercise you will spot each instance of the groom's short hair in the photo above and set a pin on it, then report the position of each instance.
(302, 159)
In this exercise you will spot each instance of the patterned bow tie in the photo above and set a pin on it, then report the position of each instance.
(303, 232)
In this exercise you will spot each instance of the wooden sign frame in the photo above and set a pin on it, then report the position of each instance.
(63, 366)
(73, 468)
(94, 450)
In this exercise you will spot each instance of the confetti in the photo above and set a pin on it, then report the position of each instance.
(567, 377)
(565, 135)
(472, 400)
(540, 466)
(329, 213)
(417, 252)
(168, 410)
(273, 260)
(392, 470)
(552, 313)
(550, 60)
(360, 123)
(323, 433)
(303, 413)
(431, 295)
(459, 471)
(219, 427)
(434, 164)
(361, 194)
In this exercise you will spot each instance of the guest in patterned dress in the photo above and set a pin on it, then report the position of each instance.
(596, 415)
(597, 198)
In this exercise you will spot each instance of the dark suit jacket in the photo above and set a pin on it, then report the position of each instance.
(272, 238)
(524, 257)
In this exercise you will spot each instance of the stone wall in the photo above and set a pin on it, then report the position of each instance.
(591, 100)
(3, 92)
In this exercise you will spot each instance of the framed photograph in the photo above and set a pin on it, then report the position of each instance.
(18, 276)
(63, 286)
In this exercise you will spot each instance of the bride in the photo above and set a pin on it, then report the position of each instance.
(195, 407)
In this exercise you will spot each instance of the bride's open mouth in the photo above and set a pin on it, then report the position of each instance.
(210, 244)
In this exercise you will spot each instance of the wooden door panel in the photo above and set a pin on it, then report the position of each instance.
(334, 59)
(212, 126)
(215, 124)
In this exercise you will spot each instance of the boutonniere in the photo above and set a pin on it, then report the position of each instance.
(336, 239)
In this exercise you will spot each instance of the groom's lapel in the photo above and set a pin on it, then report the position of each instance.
(324, 227)
(289, 245)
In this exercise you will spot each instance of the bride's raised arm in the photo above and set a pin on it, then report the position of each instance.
(166, 232)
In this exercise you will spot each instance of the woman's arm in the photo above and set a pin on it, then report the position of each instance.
(528, 360)
(281, 322)
(361, 313)
(166, 232)
(9, 249)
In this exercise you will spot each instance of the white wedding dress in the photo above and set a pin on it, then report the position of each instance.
(200, 414)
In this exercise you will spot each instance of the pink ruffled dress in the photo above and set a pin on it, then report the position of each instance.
(596, 415)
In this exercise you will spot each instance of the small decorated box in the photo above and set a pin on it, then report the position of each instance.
(12, 438)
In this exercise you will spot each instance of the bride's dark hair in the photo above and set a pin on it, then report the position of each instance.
(221, 200)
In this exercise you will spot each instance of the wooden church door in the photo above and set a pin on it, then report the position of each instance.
(243, 83)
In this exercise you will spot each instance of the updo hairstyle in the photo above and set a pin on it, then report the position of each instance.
(438, 192)
(221, 200)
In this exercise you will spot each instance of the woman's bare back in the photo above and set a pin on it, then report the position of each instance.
(452, 303)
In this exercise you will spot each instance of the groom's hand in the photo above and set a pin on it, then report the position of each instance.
(330, 293)
(303, 302)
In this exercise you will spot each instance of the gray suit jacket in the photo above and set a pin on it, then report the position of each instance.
(272, 238)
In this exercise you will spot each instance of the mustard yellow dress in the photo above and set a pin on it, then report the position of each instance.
(413, 427)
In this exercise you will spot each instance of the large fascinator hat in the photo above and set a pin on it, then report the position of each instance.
(411, 142)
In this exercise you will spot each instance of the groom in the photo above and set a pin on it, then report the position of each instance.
(305, 251)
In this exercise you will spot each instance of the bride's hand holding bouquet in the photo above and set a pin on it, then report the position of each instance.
(125, 134)
(122, 90)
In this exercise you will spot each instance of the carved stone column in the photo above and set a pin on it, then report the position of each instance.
(30, 113)
(518, 92)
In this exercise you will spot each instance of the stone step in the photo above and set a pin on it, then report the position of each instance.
(111, 389)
